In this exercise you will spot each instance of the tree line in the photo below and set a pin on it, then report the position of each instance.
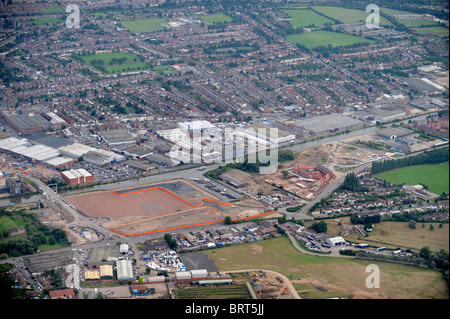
(428, 157)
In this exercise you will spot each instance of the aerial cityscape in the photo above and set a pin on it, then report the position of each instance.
(224, 149)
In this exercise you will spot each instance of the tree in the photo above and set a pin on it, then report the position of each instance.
(425, 252)
(412, 224)
(228, 220)
(320, 227)
(431, 227)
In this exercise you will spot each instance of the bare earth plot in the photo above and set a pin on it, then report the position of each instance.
(161, 207)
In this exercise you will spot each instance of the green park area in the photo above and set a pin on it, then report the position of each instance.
(345, 15)
(343, 276)
(306, 18)
(34, 235)
(51, 10)
(216, 18)
(434, 176)
(439, 31)
(144, 25)
(315, 39)
(114, 62)
(45, 21)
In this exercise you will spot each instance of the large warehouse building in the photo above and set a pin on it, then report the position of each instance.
(321, 125)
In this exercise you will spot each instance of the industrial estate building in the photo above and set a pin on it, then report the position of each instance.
(321, 125)
(77, 176)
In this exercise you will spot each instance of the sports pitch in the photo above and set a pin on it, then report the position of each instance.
(315, 39)
(144, 25)
(306, 18)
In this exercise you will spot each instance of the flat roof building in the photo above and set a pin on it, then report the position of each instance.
(320, 125)
(124, 270)
(77, 176)
(333, 241)
(117, 137)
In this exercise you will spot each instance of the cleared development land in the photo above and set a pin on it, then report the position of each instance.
(315, 39)
(435, 176)
(343, 276)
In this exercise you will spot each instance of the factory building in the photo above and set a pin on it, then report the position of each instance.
(321, 125)
(124, 270)
(77, 176)
(43, 154)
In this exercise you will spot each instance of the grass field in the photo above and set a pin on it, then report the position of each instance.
(305, 18)
(52, 10)
(6, 223)
(345, 274)
(435, 176)
(132, 62)
(219, 17)
(398, 234)
(440, 31)
(315, 39)
(347, 15)
(144, 25)
(45, 21)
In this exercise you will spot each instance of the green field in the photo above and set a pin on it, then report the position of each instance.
(45, 21)
(306, 18)
(144, 25)
(416, 22)
(345, 15)
(214, 18)
(132, 62)
(52, 10)
(346, 275)
(439, 31)
(315, 39)
(398, 234)
(435, 176)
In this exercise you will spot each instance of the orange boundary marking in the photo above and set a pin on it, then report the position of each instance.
(179, 227)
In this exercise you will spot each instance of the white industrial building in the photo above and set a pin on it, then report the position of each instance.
(333, 241)
(123, 248)
(90, 154)
(124, 270)
(36, 152)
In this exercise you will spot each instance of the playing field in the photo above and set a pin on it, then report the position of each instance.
(435, 176)
(130, 61)
(211, 18)
(306, 18)
(144, 25)
(440, 31)
(45, 21)
(345, 15)
(315, 39)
